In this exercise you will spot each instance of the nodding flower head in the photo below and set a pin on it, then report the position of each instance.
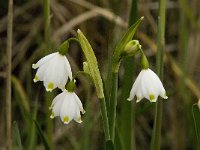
(147, 85)
(54, 70)
(68, 106)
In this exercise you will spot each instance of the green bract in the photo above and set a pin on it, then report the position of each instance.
(92, 66)
(121, 45)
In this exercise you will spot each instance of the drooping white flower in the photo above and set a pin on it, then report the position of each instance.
(54, 70)
(68, 106)
(147, 85)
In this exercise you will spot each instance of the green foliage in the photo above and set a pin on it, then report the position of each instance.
(196, 117)
(42, 136)
(121, 45)
(16, 136)
(92, 64)
(110, 145)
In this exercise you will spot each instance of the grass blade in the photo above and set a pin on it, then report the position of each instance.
(16, 135)
(43, 136)
(196, 117)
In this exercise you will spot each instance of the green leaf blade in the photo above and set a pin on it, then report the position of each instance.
(43, 136)
(16, 135)
(196, 117)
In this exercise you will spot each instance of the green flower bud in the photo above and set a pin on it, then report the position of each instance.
(131, 48)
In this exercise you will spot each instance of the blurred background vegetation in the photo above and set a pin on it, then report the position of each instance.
(38, 31)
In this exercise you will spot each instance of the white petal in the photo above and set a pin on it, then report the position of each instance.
(151, 86)
(140, 89)
(68, 68)
(68, 108)
(59, 96)
(160, 89)
(51, 74)
(41, 72)
(80, 105)
(63, 77)
(134, 87)
(57, 107)
(43, 60)
(77, 115)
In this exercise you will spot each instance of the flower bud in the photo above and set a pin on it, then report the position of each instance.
(132, 48)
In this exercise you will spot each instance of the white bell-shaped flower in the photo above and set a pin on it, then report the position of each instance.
(54, 70)
(68, 106)
(147, 85)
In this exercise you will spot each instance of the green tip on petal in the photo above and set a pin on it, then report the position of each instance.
(50, 86)
(165, 96)
(129, 99)
(34, 66)
(50, 108)
(66, 120)
(36, 78)
(52, 115)
(79, 119)
(138, 99)
(83, 111)
(151, 97)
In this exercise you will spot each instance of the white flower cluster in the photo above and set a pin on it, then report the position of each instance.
(54, 70)
(147, 85)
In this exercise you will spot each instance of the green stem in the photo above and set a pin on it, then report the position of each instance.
(155, 142)
(127, 126)
(46, 20)
(48, 96)
(104, 118)
(113, 104)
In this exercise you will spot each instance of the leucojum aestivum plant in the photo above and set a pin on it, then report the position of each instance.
(55, 72)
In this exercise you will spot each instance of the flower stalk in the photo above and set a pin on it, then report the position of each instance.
(156, 136)
(113, 104)
(118, 55)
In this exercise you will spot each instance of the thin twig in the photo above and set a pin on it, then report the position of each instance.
(102, 11)
(17, 12)
(69, 25)
(8, 81)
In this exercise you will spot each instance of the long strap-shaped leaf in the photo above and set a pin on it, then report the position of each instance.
(16, 136)
(196, 117)
(43, 136)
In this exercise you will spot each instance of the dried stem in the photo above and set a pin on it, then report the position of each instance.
(8, 78)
